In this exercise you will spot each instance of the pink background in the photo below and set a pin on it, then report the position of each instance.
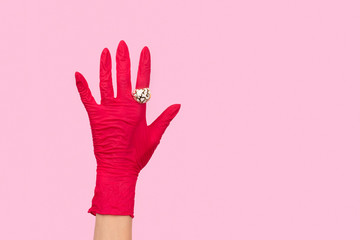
(266, 143)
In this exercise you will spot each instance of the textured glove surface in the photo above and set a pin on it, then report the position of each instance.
(123, 142)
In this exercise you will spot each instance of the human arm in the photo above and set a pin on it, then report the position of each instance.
(113, 227)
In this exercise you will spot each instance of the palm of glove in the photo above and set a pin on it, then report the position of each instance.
(123, 142)
(121, 135)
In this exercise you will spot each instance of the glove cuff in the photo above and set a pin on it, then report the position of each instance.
(114, 198)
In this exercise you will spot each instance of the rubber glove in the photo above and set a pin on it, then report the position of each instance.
(123, 142)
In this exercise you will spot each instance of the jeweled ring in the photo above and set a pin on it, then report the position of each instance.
(141, 95)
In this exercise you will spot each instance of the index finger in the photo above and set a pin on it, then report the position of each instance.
(143, 75)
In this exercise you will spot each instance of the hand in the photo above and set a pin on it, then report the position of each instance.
(123, 142)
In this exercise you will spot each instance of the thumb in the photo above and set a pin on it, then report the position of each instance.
(159, 125)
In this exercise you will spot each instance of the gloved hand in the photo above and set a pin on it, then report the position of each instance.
(123, 142)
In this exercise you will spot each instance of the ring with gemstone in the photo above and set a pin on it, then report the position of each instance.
(141, 95)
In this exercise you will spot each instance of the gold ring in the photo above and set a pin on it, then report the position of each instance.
(141, 95)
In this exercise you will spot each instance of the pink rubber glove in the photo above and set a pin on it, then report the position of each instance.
(123, 142)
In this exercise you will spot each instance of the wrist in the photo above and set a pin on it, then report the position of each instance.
(114, 196)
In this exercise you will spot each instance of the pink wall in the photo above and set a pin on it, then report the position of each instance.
(266, 143)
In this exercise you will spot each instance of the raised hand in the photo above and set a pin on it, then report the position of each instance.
(123, 142)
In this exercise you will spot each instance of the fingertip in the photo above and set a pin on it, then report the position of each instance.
(146, 53)
(105, 53)
(78, 76)
(177, 106)
(175, 110)
(105, 60)
(147, 56)
(146, 50)
(80, 81)
(122, 51)
(106, 50)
